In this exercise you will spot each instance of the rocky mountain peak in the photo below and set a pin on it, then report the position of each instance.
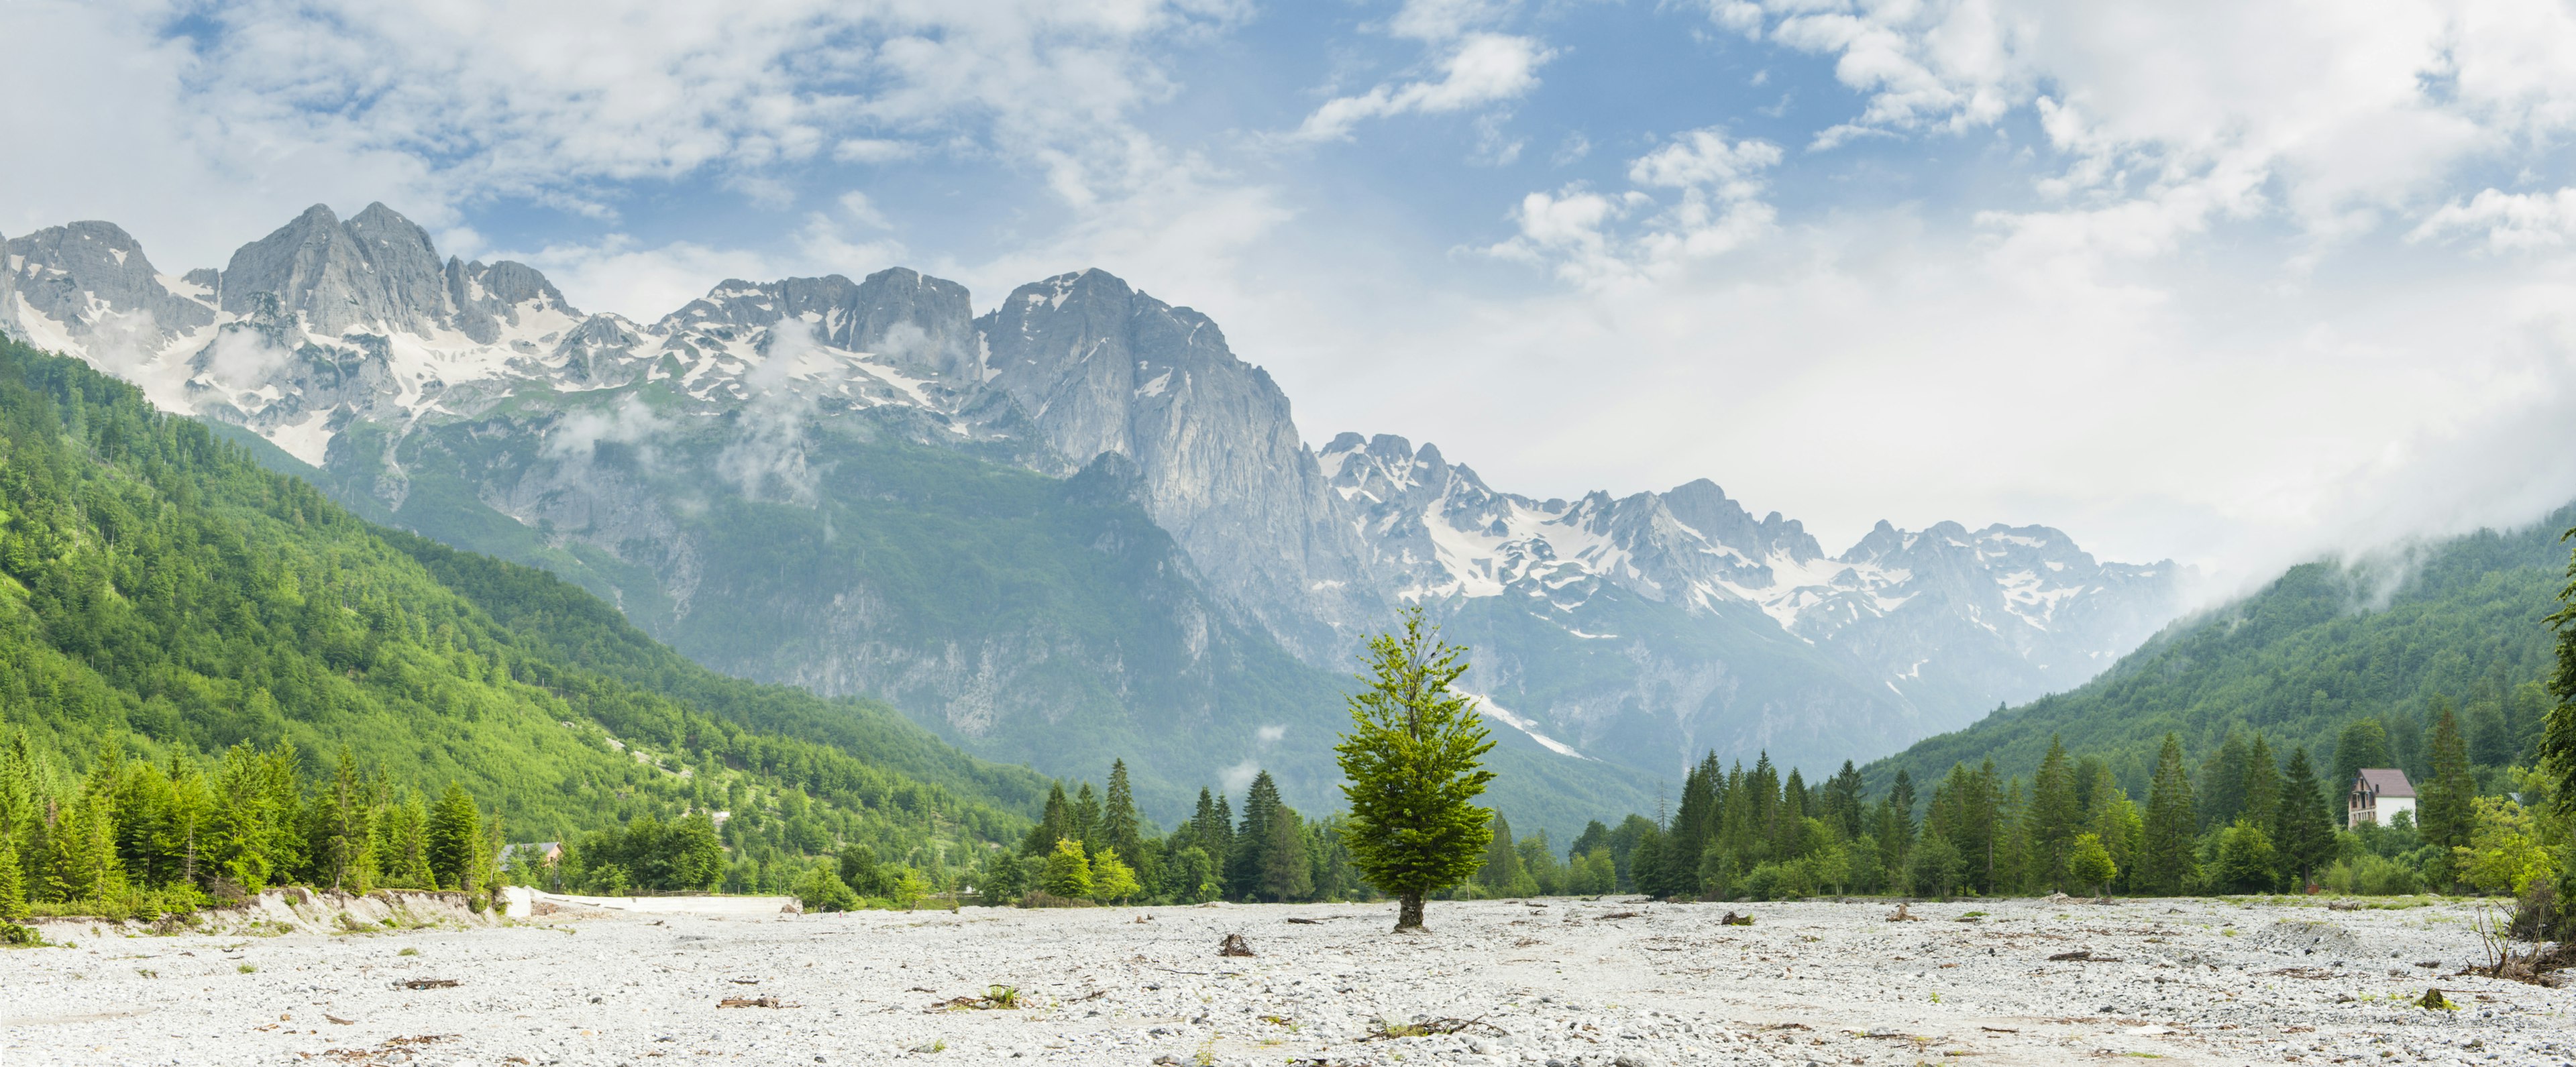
(87, 279)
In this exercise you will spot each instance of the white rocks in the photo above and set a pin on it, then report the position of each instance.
(1670, 988)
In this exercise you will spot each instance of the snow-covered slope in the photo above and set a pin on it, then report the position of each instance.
(1947, 621)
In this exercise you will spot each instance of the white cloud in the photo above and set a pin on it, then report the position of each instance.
(1578, 231)
(874, 150)
(2511, 221)
(284, 103)
(2350, 111)
(1482, 68)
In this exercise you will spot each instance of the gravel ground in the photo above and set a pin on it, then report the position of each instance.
(1565, 982)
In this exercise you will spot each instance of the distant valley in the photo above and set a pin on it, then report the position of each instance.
(1073, 527)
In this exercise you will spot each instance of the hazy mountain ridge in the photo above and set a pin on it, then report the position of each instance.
(1659, 623)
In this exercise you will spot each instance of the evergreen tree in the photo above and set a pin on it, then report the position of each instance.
(1122, 830)
(2114, 821)
(2055, 817)
(2446, 805)
(2262, 783)
(859, 870)
(1004, 878)
(1191, 877)
(1935, 867)
(2363, 743)
(2165, 861)
(1649, 859)
(1413, 768)
(1694, 824)
(1247, 867)
(1054, 824)
(2492, 741)
(455, 839)
(2013, 860)
(1086, 820)
(2557, 740)
(1901, 794)
(2222, 781)
(1842, 804)
(1594, 836)
(13, 886)
(2246, 859)
(1287, 871)
(1503, 868)
(2302, 826)
(2406, 742)
(340, 835)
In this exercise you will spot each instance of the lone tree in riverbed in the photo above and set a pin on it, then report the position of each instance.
(1412, 764)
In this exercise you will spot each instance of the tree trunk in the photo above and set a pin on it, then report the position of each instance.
(1409, 917)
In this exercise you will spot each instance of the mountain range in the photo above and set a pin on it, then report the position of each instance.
(1073, 527)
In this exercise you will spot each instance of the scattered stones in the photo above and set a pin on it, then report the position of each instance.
(1093, 988)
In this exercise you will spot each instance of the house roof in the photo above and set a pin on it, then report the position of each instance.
(2384, 781)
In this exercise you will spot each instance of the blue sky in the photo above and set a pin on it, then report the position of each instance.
(2231, 282)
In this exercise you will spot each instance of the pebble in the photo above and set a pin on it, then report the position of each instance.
(1673, 987)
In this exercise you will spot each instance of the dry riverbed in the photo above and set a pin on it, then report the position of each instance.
(1596, 983)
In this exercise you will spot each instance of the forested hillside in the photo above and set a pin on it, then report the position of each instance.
(2397, 638)
(163, 595)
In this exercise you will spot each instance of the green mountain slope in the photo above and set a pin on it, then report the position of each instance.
(160, 590)
(2460, 621)
(1025, 618)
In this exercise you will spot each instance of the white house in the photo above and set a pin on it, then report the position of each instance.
(2378, 794)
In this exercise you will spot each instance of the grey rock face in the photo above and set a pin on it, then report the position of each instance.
(1903, 635)
(1636, 628)
(1103, 368)
(378, 270)
(484, 297)
(91, 276)
(914, 319)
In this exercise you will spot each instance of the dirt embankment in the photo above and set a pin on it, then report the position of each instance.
(298, 910)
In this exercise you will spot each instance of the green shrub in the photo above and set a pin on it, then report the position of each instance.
(2370, 876)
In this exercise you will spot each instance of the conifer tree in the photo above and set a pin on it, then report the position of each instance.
(2446, 805)
(1252, 840)
(2303, 828)
(2262, 783)
(2055, 818)
(455, 839)
(2557, 741)
(1412, 764)
(1086, 818)
(1842, 799)
(1901, 794)
(1054, 824)
(2012, 848)
(1287, 869)
(1503, 866)
(79, 859)
(2165, 860)
(1122, 830)
(340, 835)
(2114, 821)
(2221, 794)
(13, 886)
(2406, 742)
(2363, 743)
